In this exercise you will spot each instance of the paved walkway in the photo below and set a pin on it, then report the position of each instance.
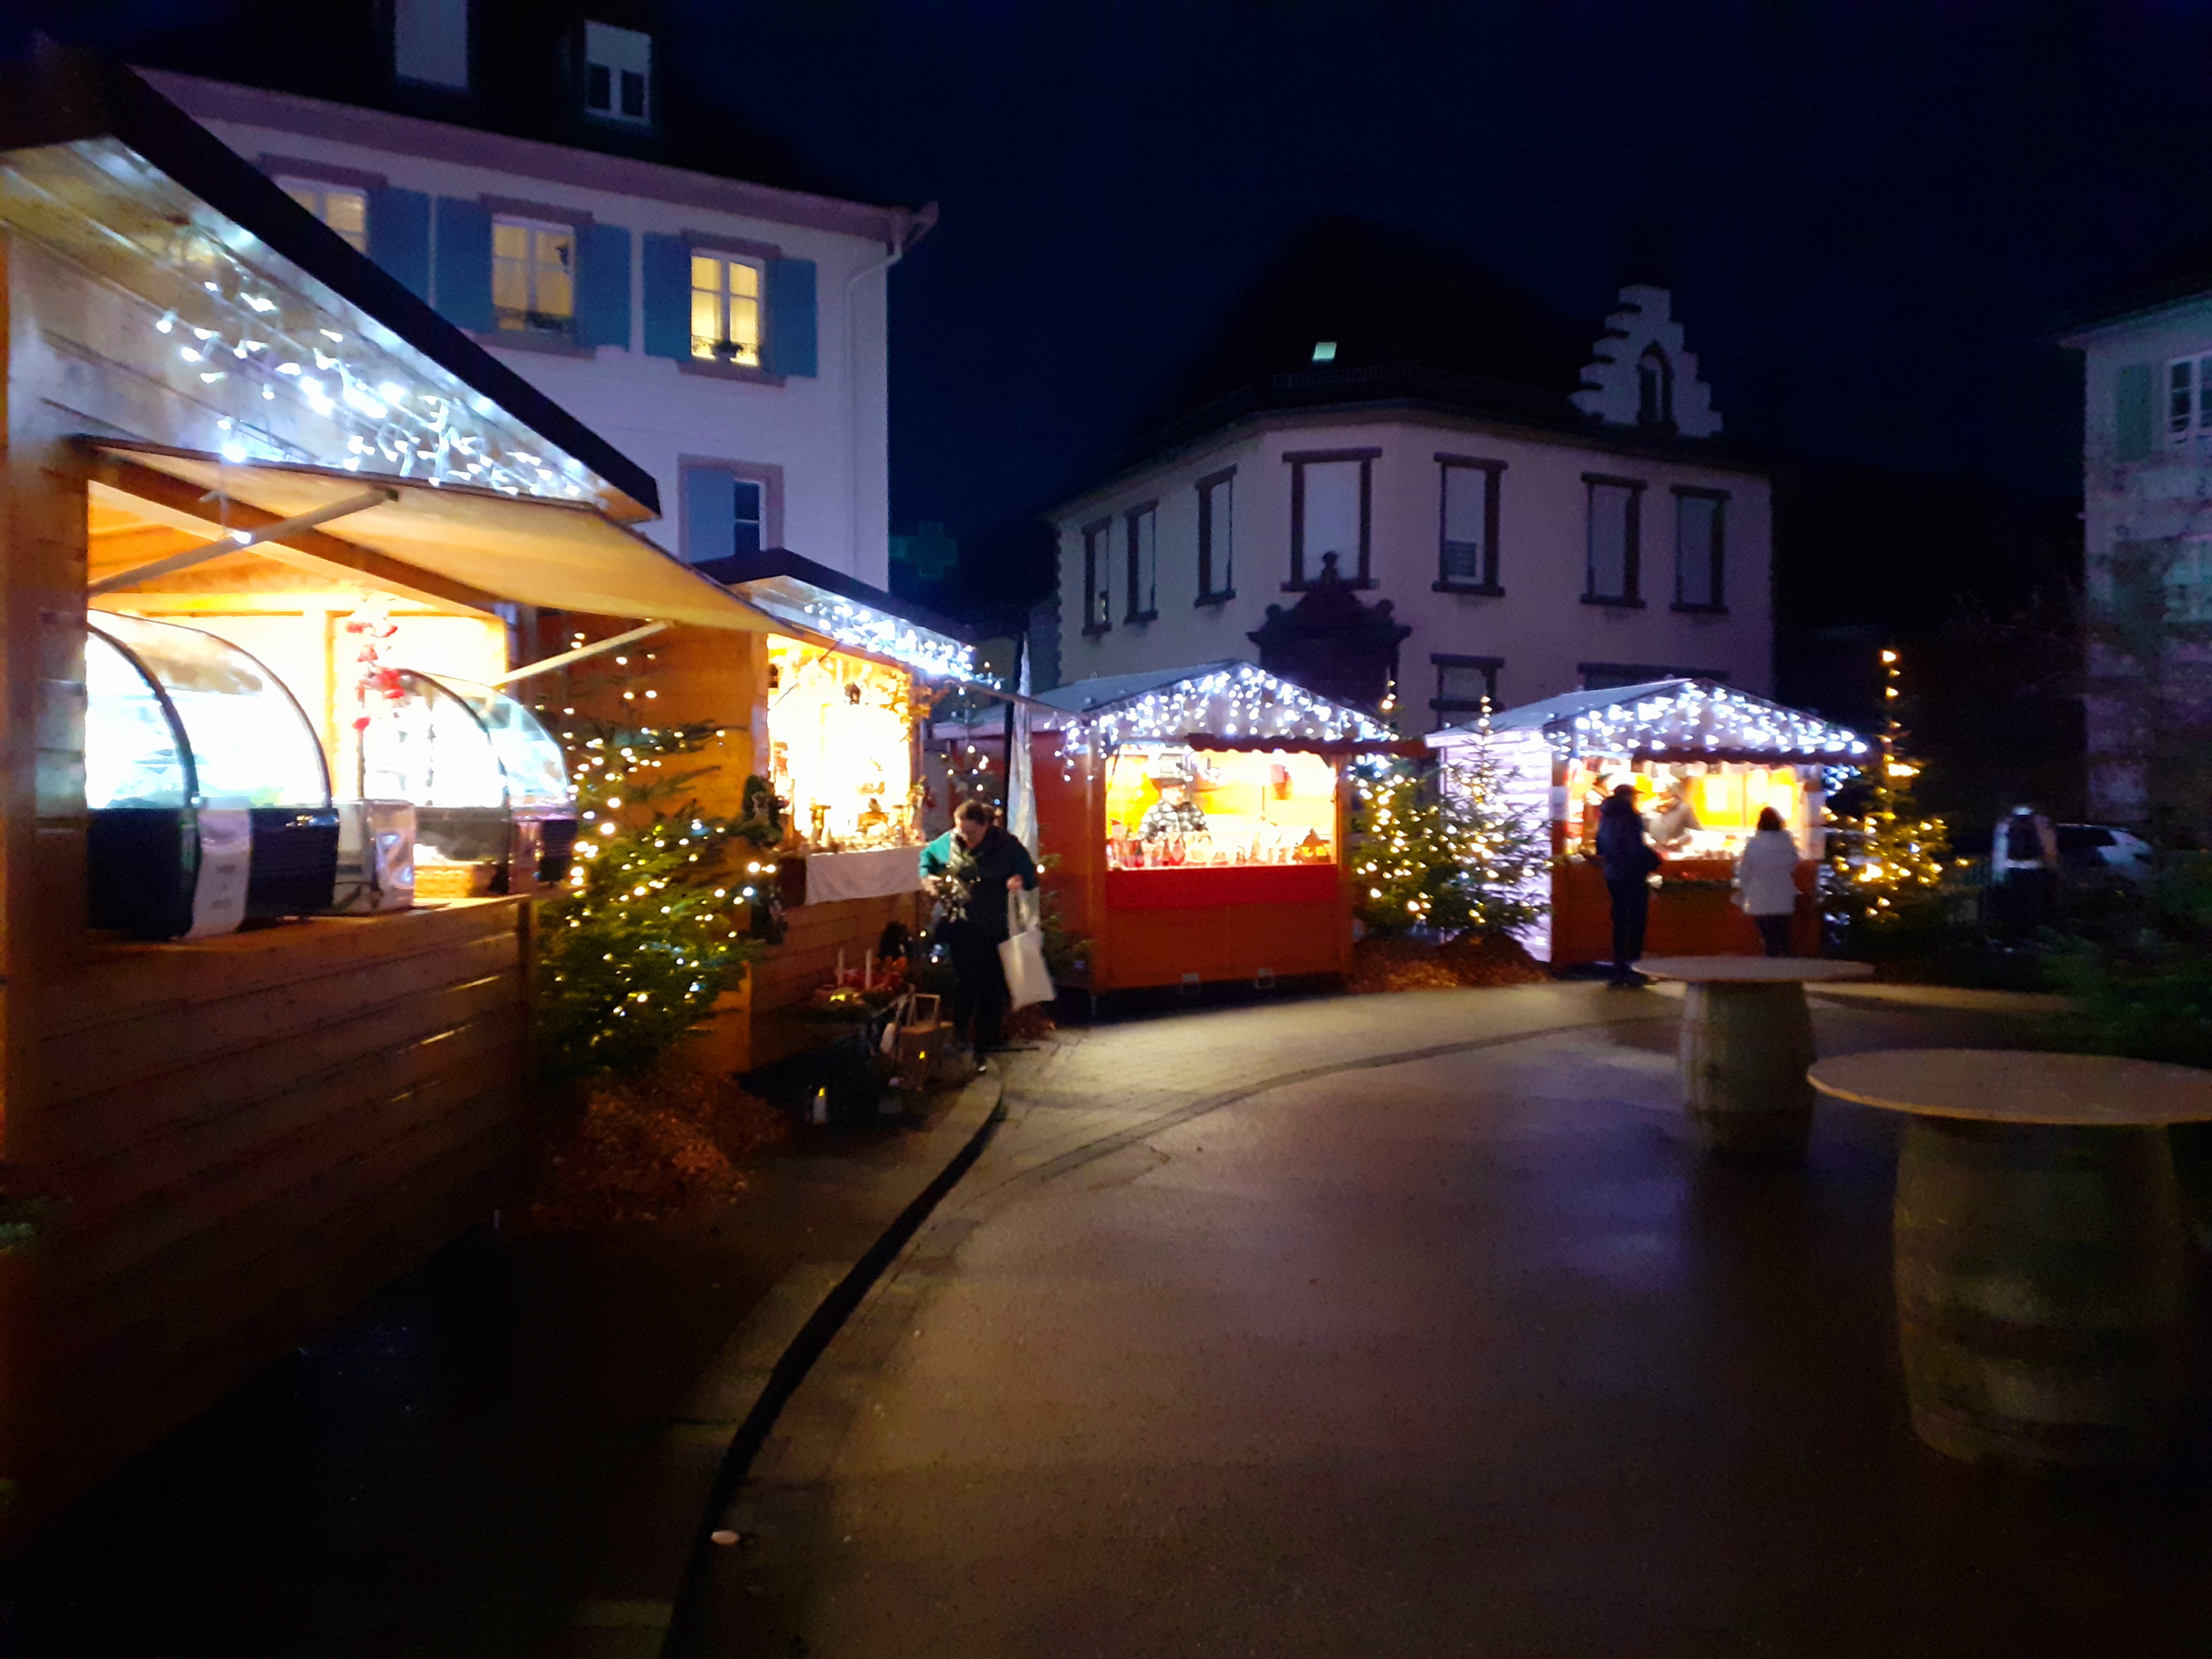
(503, 1456)
(1413, 1325)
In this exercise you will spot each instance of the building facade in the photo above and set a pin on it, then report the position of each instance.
(728, 336)
(2147, 562)
(1535, 540)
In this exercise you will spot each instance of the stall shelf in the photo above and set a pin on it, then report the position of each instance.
(1703, 758)
(1200, 818)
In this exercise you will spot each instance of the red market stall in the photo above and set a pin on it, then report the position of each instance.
(1705, 759)
(1200, 819)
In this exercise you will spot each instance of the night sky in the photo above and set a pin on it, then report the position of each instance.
(1873, 218)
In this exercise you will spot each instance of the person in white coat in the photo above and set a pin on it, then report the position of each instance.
(1766, 881)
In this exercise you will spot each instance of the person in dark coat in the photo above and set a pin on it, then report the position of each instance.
(976, 868)
(1629, 860)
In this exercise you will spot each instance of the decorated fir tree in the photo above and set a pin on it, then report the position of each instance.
(653, 924)
(1889, 873)
(1444, 849)
(1505, 850)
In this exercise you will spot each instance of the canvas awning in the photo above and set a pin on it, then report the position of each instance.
(559, 555)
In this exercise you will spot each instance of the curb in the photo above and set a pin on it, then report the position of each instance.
(702, 1457)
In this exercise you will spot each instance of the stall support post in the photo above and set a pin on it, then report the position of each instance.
(43, 536)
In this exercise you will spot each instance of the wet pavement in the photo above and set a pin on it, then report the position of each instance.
(1468, 1353)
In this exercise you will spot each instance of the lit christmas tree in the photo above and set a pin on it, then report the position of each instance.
(654, 925)
(1892, 873)
(1446, 850)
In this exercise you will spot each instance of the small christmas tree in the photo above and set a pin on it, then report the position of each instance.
(1444, 849)
(1505, 850)
(1891, 876)
(651, 928)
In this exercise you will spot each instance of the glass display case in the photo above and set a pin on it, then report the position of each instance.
(191, 742)
(489, 784)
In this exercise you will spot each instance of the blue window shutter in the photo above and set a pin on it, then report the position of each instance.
(710, 513)
(2132, 423)
(603, 286)
(667, 297)
(399, 236)
(791, 317)
(464, 263)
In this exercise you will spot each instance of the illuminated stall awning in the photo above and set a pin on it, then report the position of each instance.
(829, 605)
(563, 556)
(1675, 720)
(1231, 704)
(273, 339)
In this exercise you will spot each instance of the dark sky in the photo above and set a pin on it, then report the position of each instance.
(1871, 216)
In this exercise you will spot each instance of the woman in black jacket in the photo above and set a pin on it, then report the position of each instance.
(1629, 860)
(976, 868)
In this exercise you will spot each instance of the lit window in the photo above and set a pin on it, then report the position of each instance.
(344, 210)
(1324, 351)
(618, 71)
(2189, 397)
(726, 309)
(534, 276)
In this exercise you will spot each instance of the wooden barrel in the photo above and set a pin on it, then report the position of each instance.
(2040, 1284)
(1744, 1050)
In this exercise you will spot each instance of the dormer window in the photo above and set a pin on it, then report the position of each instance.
(1654, 389)
(430, 42)
(618, 73)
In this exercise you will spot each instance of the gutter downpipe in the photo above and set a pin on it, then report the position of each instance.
(918, 225)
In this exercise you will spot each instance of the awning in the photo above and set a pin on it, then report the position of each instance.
(559, 555)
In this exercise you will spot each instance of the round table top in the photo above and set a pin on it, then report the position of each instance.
(1753, 970)
(2019, 1086)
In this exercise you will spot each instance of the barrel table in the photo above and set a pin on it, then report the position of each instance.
(1746, 1038)
(2041, 1265)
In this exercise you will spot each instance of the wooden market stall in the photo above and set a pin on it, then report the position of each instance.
(1705, 759)
(826, 707)
(236, 454)
(1201, 818)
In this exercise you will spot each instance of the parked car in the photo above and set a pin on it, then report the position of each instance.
(2088, 848)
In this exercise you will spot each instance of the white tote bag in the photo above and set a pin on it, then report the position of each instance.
(1028, 979)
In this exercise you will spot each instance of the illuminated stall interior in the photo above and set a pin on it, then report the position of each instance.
(1725, 799)
(1168, 806)
(841, 747)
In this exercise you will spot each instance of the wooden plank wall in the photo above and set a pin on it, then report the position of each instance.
(248, 1135)
(808, 958)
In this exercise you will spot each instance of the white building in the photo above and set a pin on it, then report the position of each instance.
(2147, 559)
(728, 336)
(1537, 540)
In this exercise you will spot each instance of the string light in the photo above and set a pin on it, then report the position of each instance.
(1240, 700)
(383, 403)
(1691, 720)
